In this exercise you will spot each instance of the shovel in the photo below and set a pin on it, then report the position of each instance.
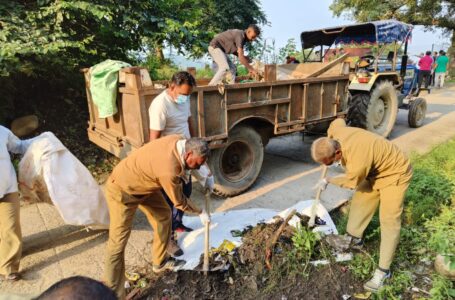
(205, 267)
(317, 200)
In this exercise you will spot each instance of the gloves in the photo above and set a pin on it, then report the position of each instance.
(204, 216)
(322, 184)
(210, 183)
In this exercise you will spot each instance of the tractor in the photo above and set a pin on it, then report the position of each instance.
(379, 84)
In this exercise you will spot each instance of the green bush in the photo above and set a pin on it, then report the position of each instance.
(159, 69)
(206, 72)
(442, 288)
(442, 234)
(429, 190)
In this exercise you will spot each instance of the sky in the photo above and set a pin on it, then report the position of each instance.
(289, 18)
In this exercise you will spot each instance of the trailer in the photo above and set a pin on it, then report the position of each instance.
(237, 119)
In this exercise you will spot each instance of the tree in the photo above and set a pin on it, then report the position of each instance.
(290, 49)
(429, 13)
(43, 43)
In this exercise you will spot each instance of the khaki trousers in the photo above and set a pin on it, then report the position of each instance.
(10, 234)
(122, 208)
(363, 206)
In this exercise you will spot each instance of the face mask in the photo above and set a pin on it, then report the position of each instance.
(181, 99)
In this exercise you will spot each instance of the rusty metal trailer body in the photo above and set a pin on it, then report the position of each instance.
(237, 124)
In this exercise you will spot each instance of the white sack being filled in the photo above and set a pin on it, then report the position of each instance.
(49, 170)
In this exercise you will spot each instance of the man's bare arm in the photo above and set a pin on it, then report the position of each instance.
(154, 134)
(244, 61)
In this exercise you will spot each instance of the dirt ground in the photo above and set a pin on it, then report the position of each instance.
(54, 250)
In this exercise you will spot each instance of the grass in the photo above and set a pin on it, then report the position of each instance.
(428, 229)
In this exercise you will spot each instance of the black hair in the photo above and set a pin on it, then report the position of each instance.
(78, 288)
(288, 57)
(428, 53)
(442, 52)
(183, 77)
(256, 29)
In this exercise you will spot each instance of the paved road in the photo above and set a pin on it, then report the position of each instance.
(53, 250)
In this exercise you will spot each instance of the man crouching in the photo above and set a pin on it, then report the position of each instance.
(380, 172)
(137, 181)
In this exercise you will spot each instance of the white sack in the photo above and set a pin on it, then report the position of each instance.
(69, 184)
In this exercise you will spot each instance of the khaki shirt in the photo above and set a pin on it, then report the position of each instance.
(366, 155)
(153, 167)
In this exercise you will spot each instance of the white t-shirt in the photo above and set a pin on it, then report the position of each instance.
(169, 117)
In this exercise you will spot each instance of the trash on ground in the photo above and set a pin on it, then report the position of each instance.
(365, 295)
(339, 243)
(222, 226)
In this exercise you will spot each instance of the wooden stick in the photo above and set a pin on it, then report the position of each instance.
(316, 201)
(207, 235)
(270, 246)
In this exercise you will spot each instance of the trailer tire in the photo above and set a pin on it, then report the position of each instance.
(237, 165)
(377, 111)
(417, 112)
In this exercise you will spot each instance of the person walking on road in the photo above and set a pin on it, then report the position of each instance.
(170, 114)
(136, 182)
(231, 42)
(425, 64)
(380, 173)
(440, 69)
(10, 227)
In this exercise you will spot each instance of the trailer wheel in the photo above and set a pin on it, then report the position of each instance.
(417, 112)
(377, 111)
(237, 165)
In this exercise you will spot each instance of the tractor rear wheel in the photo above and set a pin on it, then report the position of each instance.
(237, 165)
(377, 111)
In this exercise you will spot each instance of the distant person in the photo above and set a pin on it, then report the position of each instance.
(231, 42)
(10, 227)
(292, 60)
(170, 114)
(435, 57)
(425, 64)
(77, 288)
(441, 69)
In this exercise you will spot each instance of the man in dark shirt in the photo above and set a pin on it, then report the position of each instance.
(231, 42)
(292, 60)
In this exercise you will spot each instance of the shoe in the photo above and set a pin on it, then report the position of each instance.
(356, 243)
(170, 264)
(173, 249)
(12, 277)
(377, 282)
(183, 228)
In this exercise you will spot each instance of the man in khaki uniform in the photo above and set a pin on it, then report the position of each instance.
(137, 182)
(169, 114)
(10, 227)
(380, 172)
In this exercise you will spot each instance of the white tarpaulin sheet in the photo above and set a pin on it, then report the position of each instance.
(192, 243)
(49, 170)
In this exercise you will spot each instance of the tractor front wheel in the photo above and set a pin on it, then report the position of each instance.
(376, 111)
